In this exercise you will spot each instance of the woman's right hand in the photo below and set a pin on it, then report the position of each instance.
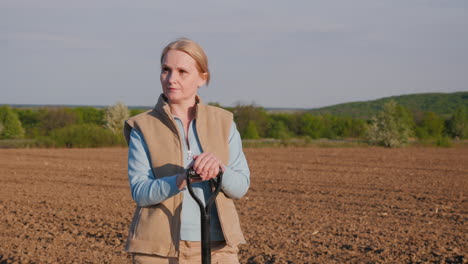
(207, 165)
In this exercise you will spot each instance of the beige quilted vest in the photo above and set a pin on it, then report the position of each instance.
(156, 229)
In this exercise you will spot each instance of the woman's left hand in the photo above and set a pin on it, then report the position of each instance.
(207, 165)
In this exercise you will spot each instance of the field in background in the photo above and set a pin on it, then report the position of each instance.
(305, 205)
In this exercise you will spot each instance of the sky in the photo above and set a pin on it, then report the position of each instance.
(272, 53)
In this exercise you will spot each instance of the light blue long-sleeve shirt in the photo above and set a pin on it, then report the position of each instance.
(147, 190)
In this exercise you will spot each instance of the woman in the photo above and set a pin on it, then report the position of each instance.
(179, 133)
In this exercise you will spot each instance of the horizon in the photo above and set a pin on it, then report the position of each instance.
(267, 108)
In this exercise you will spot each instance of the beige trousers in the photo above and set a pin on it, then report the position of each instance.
(190, 253)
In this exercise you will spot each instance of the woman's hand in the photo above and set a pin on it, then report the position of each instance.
(207, 165)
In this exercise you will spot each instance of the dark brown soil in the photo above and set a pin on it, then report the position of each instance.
(305, 205)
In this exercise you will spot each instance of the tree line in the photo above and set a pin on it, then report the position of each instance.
(95, 127)
(394, 126)
(65, 126)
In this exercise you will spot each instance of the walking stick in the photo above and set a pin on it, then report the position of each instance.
(204, 212)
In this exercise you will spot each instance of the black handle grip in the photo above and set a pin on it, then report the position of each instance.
(192, 175)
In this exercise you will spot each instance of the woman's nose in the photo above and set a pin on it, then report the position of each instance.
(171, 78)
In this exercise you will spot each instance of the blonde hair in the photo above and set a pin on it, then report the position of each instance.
(193, 50)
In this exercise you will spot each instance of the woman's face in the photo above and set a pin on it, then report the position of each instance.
(180, 78)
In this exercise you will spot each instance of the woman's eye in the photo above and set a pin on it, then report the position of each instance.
(182, 72)
(165, 69)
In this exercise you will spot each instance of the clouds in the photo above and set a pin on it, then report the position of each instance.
(276, 53)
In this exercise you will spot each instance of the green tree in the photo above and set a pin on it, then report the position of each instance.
(55, 118)
(251, 131)
(433, 125)
(406, 117)
(115, 117)
(310, 125)
(331, 127)
(89, 115)
(278, 130)
(390, 127)
(244, 114)
(458, 123)
(291, 121)
(354, 128)
(421, 133)
(30, 120)
(10, 125)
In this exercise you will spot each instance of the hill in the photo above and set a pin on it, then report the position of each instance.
(442, 104)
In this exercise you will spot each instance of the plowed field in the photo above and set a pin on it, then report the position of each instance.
(305, 205)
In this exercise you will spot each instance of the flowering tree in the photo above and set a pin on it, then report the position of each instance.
(391, 127)
(115, 117)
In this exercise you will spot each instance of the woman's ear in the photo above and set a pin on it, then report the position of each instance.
(204, 77)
